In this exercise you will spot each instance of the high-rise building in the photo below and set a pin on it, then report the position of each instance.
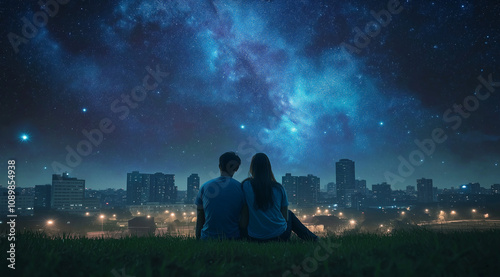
(143, 188)
(302, 190)
(360, 186)
(345, 179)
(162, 188)
(308, 188)
(424, 191)
(67, 193)
(42, 197)
(137, 188)
(290, 182)
(193, 186)
(382, 194)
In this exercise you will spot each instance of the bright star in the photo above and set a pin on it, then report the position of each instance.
(242, 126)
(24, 137)
(381, 123)
(84, 110)
(294, 129)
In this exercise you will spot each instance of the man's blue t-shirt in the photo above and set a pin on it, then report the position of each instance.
(266, 224)
(222, 200)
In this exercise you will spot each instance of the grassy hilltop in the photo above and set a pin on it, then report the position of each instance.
(403, 253)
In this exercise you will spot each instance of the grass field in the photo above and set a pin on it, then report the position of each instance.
(403, 253)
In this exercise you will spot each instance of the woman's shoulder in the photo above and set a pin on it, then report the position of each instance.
(247, 181)
(278, 186)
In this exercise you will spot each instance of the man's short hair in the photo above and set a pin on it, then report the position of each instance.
(231, 159)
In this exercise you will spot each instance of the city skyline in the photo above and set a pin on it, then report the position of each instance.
(183, 184)
(101, 89)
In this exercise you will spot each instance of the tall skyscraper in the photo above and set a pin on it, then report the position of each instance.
(137, 188)
(193, 186)
(345, 177)
(67, 193)
(424, 190)
(144, 187)
(42, 197)
(360, 186)
(162, 188)
(382, 194)
(302, 190)
(290, 183)
(308, 188)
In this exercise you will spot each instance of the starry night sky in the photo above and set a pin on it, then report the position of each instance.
(247, 76)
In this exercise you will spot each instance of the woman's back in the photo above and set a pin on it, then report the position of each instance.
(266, 223)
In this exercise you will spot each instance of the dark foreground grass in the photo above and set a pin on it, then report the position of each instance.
(404, 253)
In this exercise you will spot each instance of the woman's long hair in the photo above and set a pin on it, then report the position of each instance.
(262, 181)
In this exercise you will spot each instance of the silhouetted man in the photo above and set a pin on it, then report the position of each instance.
(219, 202)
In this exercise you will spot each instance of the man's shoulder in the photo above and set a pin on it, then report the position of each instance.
(235, 181)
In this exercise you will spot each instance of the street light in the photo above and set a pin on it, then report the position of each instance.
(50, 222)
(102, 223)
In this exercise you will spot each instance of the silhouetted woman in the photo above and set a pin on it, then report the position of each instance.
(266, 216)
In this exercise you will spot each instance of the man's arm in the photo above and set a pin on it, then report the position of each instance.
(244, 221)
(200, 221)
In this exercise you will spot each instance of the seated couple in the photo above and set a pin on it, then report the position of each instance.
(256, 209)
